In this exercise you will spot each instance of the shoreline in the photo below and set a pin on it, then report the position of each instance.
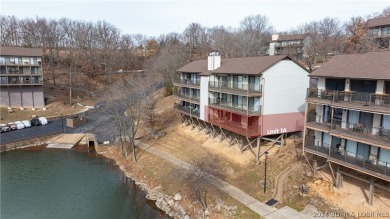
(170, 205)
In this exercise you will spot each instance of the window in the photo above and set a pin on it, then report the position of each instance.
(385, 31)
(387, 87)
(374, 32)
(363, 86)
(2, 60)
(335, 84)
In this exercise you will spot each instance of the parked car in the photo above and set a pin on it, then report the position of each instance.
(4, 128)
(12, 126)
(19, 125)
(26, 123)
(43, 120)
(35, 122)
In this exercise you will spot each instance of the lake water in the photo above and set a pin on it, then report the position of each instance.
(68, 184)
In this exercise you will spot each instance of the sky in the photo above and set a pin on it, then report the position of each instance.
(156, 17)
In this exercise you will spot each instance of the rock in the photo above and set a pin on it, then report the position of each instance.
(44, 108)
(187, 217)
(34, 116)
(180, 212)
(160, 203)
(176, 206)
(9, 108)
(33, 109)
(170, 214)
(206, 212)
(21, 108)
(171, 202)
(318, 182)
(177, 197)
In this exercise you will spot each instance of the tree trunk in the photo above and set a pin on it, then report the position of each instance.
(133, 147)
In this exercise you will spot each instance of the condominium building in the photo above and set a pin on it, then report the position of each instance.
(348, 116)
(244, 98)
(21, 77)
(379, 31)
(289, 44)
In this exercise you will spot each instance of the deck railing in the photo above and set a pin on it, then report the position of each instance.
(349, 158)
(191, 82)
(366, 99)
(359, 129)
(243, 107)
(316, 146)
(187, 96)
(319, 120)
(187, 109)
(249, 87)
(237, 127)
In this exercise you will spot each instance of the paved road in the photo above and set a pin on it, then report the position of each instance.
(98, 123)
(35, 131)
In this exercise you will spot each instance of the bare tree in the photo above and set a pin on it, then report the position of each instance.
(325, 39)
(170, 58)
(125, 109)
(255, 32)
(197, 178)
(149, 108)
(224, 40)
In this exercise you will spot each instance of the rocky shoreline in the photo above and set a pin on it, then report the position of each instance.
(170, 205)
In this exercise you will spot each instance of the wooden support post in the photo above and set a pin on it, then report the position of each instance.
(258, 150)
(241, 144)
(315, 168)
(371, 194)
(338, 177)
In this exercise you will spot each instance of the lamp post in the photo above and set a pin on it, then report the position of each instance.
(265, 172)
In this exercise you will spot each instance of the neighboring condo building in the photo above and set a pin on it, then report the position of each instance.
(379, 31)
(348, 117)
(244, 98)
(291, 44)
(21, 77)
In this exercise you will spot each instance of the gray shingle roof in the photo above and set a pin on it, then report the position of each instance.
(371, 65)
(292, 37)
(248, 65)
(20, 51)
(376, 22)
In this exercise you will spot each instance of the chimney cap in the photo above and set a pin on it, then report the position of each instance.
(214, 53)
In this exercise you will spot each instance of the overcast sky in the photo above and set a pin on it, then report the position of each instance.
(153, 18)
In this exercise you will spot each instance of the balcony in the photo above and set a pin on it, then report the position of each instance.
(376, 168)
(187, 97)
(318, 122)
(242, 108)
(182, 82)
(377, 136)
(20, 82)
(188, 110)
(237, 127)
(236, 88)
(348, 99)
